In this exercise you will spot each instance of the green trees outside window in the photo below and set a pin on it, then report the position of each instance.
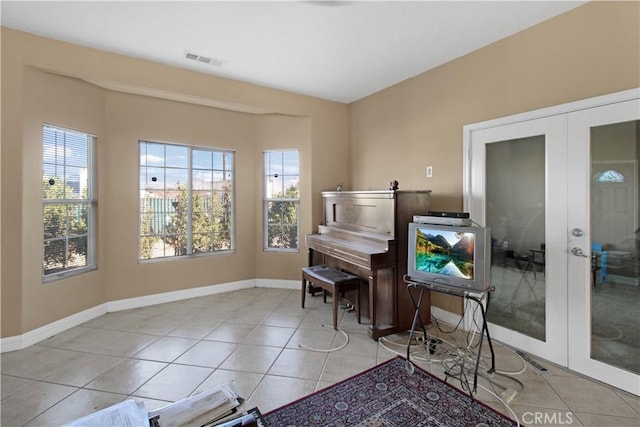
(68, 203)
(282, 200)
(186, 200)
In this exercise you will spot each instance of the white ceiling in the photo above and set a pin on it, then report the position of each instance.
(335, 50)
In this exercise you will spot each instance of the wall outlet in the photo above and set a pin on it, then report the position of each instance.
(429, 171)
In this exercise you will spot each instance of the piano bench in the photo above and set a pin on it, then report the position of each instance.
(333, 281)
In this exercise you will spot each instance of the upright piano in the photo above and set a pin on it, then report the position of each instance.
(365, 233)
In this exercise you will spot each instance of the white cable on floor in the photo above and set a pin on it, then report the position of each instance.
(524, 363)
(382, 340)
(505, 404)
(329, 350)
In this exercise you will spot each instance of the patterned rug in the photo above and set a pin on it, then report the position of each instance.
(387, 396)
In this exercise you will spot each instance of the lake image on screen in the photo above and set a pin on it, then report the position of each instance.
(449, 253)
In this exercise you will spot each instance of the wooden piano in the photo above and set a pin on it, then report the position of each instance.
(365, 233)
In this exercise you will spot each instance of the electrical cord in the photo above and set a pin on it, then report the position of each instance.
(474, 332)
(462, 362)
(504, 404)
(328, 350)
(458, 366)
(437, 323)
(418, 356)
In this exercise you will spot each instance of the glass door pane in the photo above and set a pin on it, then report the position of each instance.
(515, 211)
(615, 236)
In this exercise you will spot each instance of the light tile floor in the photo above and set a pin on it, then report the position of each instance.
(253, 337)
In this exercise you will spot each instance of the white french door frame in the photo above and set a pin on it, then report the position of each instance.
(563, 331)
(554, 129)
(579, 127)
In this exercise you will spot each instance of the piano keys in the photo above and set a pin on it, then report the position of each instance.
(365, 233)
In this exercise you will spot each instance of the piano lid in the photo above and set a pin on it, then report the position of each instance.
(360, 211)
(366, 250)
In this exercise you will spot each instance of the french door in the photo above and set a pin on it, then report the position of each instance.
(559, 189)
(604, 315)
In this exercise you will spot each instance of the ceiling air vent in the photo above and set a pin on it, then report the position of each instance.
(204, 59)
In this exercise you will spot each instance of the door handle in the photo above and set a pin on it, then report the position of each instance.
(578, 252)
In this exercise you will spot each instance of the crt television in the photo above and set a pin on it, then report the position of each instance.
(452, 257)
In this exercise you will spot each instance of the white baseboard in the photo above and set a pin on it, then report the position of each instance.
(42, 333)
(39, 334)
(147, 300)
(276, 283)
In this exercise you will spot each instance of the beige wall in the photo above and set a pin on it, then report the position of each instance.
(122, 100)
(72, 104)
(130, 118)
(589, 51)
(393, 134)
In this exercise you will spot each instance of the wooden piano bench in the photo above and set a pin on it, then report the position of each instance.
(331, 281)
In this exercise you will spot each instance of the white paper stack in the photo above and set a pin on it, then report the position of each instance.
(128, 413)
(198, 409)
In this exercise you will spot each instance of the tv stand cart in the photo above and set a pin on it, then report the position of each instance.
(477, 297)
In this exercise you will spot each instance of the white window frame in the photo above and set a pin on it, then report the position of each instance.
(230, 169)
(90, 202)
(268, 176)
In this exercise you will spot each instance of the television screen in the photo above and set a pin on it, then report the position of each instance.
(449, 256)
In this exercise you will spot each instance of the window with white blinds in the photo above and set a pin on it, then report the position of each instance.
(281, 201)
(69, 202)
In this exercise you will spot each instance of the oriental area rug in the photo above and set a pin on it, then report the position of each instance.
(388, 396)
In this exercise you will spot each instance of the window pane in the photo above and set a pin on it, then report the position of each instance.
(176, 245)
(202, 242)
(223, 240)
(202, 159)
(291, 187)
(48, 170)
(152, 178)
(515, 177)
(202, 202)
(284, 237)
(76, 150)
(202, 180)
(77, 252)
(54, 256)
(76, 182)
(615, 237)
(274, 163)
(177, 178)
(77, 217)
(221, 181)
(153, 155)
(291, 162)
(49, 146)
(228, 161)
(55, 220)
(282, 213)
(274, 187)
(176, 156)
(53, 188)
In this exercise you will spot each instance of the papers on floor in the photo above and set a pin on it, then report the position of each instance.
(212, 404)
(198, 409)
(128, 413)
(247, 420)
